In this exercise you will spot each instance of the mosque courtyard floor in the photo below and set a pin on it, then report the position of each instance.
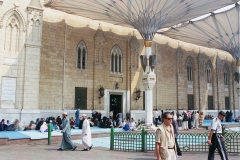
(19, 147)
(49, 152)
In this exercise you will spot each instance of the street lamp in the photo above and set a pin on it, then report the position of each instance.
(138, 94)
(101, 92)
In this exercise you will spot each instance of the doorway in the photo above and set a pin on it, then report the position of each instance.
(115, 105)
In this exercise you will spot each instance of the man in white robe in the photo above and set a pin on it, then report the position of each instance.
(67, 143)
(86, 134)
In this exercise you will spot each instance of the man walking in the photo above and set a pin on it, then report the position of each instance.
(66, 138)
(215, 138)
(165, 148)
(77, 113)
(111, 115)
(155, 115)
(119, 121)
(86, 134)
(175, 127)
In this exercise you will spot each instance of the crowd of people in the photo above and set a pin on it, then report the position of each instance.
(187, 119)
(192, 119)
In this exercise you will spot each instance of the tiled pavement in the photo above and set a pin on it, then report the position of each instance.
(49, 152)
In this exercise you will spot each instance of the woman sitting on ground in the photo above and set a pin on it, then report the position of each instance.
(13, 127)
(126, 127)
(31, 126)
(44, 127)
(72, 123)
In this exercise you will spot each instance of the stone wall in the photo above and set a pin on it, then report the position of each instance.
(42, 59)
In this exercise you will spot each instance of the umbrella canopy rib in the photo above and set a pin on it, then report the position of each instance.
(219, 30)
(147, 16)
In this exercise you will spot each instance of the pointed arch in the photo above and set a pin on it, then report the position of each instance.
(81, 55)
(225, 74)
(190, 68)
(11, 39)
(116, 60)
(209, 71)
(18, 15)
(33, 31)
(15, 26)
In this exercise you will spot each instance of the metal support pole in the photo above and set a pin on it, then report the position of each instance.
(144, 140)
(49, 134)
(112, 139)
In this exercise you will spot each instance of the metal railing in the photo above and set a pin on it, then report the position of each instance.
(143, 141)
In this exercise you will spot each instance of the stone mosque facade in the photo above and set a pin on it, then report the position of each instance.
(51, 61)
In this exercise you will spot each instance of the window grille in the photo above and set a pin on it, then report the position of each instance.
(81, 56)
(80, 98)
(210, 103)
(116, 60)
(225, 75)
(189, 71)
(209, 74)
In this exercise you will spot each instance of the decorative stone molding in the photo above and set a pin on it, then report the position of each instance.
(16, 12)
(201, 64)
(134, 48)
(34, 14)
(100, 43)
(134, 45)
(1, 2)
(179, 61)
(134, 53)
(48, 2)
(234, 67)
(190, 59)
(32, 45)
(35, 4)
(219, 68)
(99, 36)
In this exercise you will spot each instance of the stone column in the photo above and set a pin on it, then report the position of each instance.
(148, 80)
(32, 56)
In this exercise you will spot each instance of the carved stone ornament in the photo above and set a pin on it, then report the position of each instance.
(219, 68)
(16, 12)
(48, 2)
(180, 62)
(34, 14)
(16, 4)
(134, 48)
(201, 64)
(234, 67)
(100, 41)
(219, 71)
(99, 36)
(200, 57)
(1, 2)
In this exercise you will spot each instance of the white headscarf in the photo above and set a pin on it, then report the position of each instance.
(43, 127)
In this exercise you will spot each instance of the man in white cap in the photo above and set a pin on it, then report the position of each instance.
(86, 134)
(66, 139)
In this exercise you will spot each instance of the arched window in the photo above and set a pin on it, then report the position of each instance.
(81, 56)
(225, 75)
(116, 60)
(12, 35)
(189, 71)
(209, 74)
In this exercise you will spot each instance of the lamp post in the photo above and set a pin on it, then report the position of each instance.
(148, 79)
(101, 92)
(138, 94)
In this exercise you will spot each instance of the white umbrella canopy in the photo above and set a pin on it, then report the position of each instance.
(219, 30)
(147, 16)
